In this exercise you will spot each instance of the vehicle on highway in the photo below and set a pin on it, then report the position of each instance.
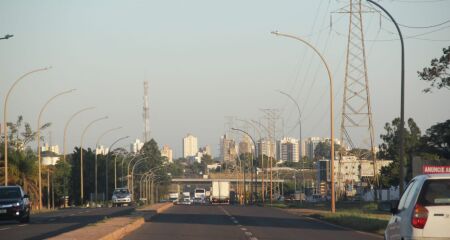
(174, 197)
(220, 192)
(121, 197)
(198, 201)
(184, 201)
(14, 204)
(200, 193)
(423, 211)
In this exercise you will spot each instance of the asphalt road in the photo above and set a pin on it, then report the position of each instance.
(236, 222)
(50, 224)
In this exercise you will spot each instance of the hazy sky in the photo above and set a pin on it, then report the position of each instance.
(206, 60)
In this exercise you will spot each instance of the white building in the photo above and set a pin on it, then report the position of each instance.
(53, 148)
(101, 150)
(289, 150)
(350, 170)
(228, 151)
(136, 146)
(267, 147)
(190, 146)
(167, 152)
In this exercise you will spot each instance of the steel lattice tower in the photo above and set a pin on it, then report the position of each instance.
(146, 114)
(356, 123)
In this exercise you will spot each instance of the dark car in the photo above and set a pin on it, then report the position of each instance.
(14, 204)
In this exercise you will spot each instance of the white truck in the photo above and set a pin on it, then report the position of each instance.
(220, 192)
(173, 197)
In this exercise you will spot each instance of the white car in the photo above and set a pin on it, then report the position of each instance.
(423, 211)
(121, 196)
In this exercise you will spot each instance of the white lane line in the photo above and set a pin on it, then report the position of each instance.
(244, 229)
(22, 225)
(73, 214)
(253, 238)
(52, 219)
(248, 234)
(2, 229)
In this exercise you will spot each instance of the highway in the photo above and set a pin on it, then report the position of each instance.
(50, 224)
(236, 222)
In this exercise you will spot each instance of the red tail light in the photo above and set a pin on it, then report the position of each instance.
(420, 216)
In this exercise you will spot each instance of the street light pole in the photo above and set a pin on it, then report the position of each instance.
(5, 114)
(95, 162)
(115, 170)
(402, 99)
(67, 126)
(38, 140)
(262, 160)
(254, 144)
(81, 156)
(300, 140)
(333, 198)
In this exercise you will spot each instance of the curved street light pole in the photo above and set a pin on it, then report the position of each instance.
(67, 126)
(263, 196)
(254, 144)
(95, 162)
(38, 140)
(269, 160)
(333, 199)
(402, 99)
(115, 170)
(81, 156)
(5, 114)
(300, 145)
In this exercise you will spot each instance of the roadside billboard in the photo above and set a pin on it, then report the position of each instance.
(430, 169)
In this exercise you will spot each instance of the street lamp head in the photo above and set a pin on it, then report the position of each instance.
(275, 32)
(7, 36)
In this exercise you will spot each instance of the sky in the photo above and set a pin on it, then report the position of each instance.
(206, 62)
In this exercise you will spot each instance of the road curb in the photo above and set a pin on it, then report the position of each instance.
(114, 228)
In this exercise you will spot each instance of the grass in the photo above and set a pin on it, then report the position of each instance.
(360, 216)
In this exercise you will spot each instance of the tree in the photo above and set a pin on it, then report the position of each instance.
(438, 73)
(389, 150)
(323, 150)
(436, 140)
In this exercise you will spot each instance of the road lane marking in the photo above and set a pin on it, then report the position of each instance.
(51, 219)
(253, 238)
(22, 225)
(248, 234)
(73, 214)
(244, 229)
(2, 229)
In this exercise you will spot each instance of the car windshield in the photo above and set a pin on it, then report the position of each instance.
(199, 191)
(6, 193)
(121, 191)
(435, 193)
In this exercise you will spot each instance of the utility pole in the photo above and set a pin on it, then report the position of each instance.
(272, 115)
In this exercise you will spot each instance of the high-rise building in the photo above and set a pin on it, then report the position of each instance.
(289, 150)
(136, 146)
(227, 149)
(245, 146)
(267, 147)
(190, 146)
(310, 145)
(206, 150)
(167, 152)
